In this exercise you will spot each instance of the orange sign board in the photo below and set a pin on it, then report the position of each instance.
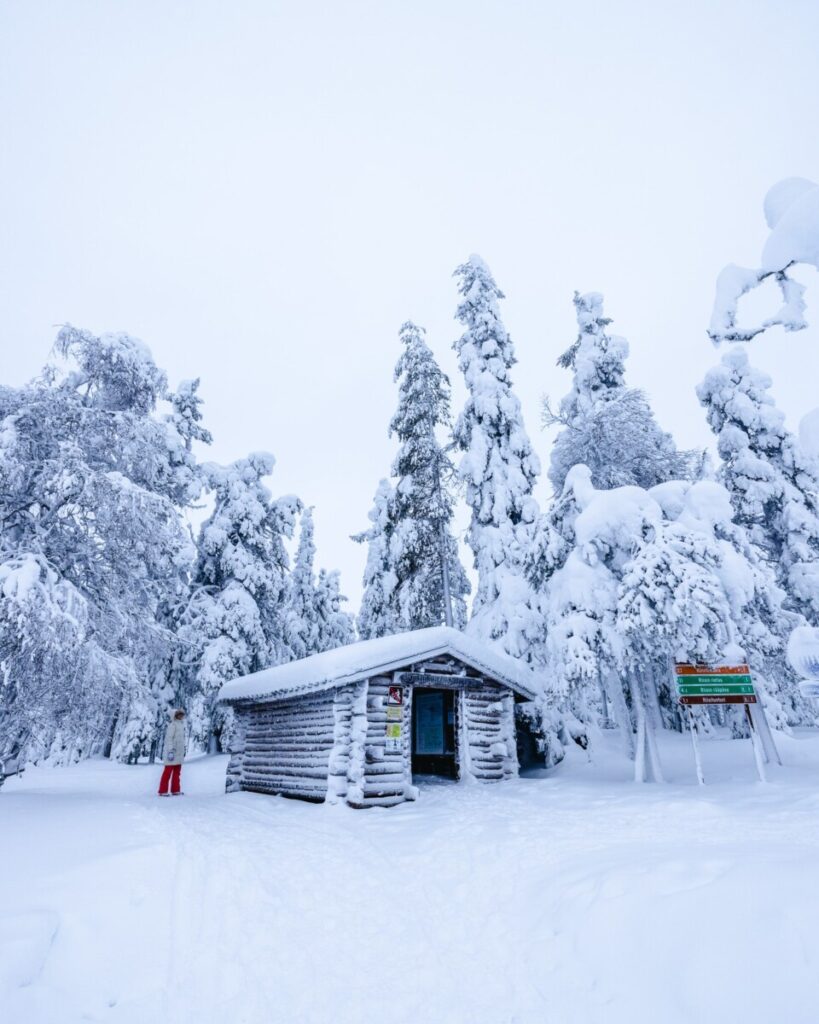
(712, 670)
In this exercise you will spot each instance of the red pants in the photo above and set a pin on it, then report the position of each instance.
(170, 777)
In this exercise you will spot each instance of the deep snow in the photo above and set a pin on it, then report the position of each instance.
(575, 896)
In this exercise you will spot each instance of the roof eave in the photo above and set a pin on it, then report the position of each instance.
(391, 666)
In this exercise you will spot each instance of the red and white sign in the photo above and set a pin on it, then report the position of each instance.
(395, 695)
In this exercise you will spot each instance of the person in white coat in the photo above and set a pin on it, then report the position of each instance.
(173, 754)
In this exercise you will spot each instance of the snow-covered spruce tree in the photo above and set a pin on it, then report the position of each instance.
(335, 626)
(301, 619)
(186, 425)
(651, 577)
(498, 467)
(236, 622)
(379, 614)
(92, 549)
(430, 581)
(315, 620)
(578, 640)
(606, 425)
(759, 622)
(773, 485)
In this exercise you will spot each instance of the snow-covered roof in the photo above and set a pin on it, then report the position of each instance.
(370, 657)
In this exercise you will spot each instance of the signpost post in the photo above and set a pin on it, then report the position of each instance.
(703, 685)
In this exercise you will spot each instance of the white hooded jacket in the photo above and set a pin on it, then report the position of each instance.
(173, 749)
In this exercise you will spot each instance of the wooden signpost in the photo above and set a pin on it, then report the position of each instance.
(703, 685)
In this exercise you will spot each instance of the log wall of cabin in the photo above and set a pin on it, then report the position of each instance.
(387, 777)
(487, 732)
(288, 744)
(346, 763)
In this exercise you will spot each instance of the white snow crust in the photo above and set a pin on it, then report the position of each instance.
(574, 896)
(360, 660)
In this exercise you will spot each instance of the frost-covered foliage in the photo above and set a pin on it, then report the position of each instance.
(314, 618)
(335, 626)
(379, 614)
(605, 425)
(498, 467)
(186, 425)
(237, 618)
(92, 552)
(634, 579)
(772, 483)
(424, 554)
(792, 214)
(301, 621)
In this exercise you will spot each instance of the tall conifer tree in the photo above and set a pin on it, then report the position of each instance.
(774, 489)
(430, 581)
(498, 467)
(379, 614)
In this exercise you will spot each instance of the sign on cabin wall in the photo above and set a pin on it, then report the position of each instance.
(393, 737)
(393, 740)
(707, 684)
(432, 679)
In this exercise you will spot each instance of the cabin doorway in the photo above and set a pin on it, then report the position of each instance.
(434, 747)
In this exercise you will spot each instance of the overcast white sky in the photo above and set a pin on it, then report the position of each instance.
(263, 192)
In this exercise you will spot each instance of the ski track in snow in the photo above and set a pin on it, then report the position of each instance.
(574, 896)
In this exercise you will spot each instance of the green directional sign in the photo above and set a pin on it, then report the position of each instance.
(713, 680)
(706, 690)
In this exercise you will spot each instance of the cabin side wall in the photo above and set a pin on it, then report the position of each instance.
(287, 747)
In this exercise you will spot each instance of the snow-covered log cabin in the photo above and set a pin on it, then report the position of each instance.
(357, 723)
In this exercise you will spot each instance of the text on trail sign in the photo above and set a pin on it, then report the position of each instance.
(714, 684)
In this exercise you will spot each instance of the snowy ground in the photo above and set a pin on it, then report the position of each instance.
(575, 897)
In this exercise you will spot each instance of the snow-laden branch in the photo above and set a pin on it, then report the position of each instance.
(792, 214)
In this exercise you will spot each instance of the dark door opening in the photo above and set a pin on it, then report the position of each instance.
(434, 750)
